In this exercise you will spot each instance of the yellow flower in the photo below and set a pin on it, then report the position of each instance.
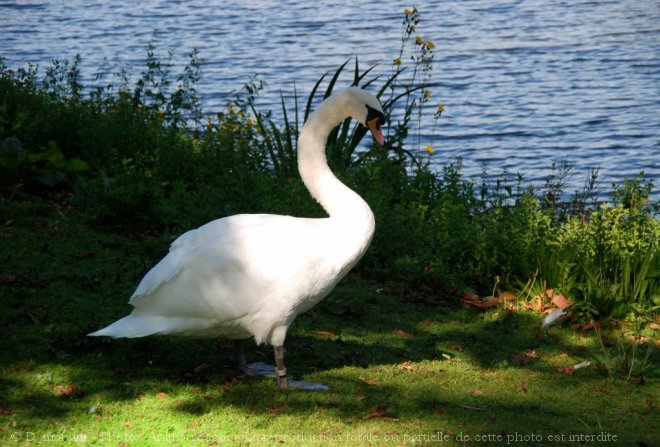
(441, 108)
(430, 149)
(407, 11)
(397, 61)
(430, 45)
(427, 94)
(419, 40)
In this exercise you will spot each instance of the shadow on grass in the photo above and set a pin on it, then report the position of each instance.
(370, 333)
(364, 363)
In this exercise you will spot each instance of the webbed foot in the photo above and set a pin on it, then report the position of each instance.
(279, 372)
(260, 369)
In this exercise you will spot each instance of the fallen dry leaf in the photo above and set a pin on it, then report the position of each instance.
(380, 412)
(492, 301)
(582, 327)
(536, 304)
(323, 334)
(407, 366)
(520, 359)
(568, 370)
(367, 381)
(488, 303)
(650, 403)
(529, 305)
(69, 390)
(508, 296)
(560, 301)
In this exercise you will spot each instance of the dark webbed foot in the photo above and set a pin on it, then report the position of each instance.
(279, 371)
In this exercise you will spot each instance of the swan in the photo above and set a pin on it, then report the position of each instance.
(250, 275)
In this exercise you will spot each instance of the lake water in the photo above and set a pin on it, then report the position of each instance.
(523, 82)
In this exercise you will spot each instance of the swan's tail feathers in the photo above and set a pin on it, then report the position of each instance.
(140, 325)
(132, 327)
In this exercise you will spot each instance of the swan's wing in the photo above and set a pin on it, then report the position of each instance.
(185, 246)
(210, 232)
(228, 268)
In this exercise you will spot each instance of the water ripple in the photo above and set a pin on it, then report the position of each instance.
(522, 81)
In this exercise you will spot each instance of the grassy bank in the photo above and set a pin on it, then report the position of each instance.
(402, 369)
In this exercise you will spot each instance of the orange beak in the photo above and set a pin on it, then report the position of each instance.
(376, 132)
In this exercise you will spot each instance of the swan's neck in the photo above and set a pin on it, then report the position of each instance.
(339, 201)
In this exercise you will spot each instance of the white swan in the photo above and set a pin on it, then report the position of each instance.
(250, 275)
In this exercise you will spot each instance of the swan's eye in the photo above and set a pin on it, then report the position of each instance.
(373, 114)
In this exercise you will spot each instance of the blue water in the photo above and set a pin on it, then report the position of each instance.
(523, 81)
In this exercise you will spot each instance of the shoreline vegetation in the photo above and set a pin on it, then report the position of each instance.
(500, 308)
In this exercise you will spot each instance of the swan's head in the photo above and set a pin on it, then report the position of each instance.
(366, 109)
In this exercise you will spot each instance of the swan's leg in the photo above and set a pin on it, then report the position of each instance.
(280, 371)
(284, 382)
(239, 355)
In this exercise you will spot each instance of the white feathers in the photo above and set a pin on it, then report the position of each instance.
(552, 317)
(581, 365)
(251, 274)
